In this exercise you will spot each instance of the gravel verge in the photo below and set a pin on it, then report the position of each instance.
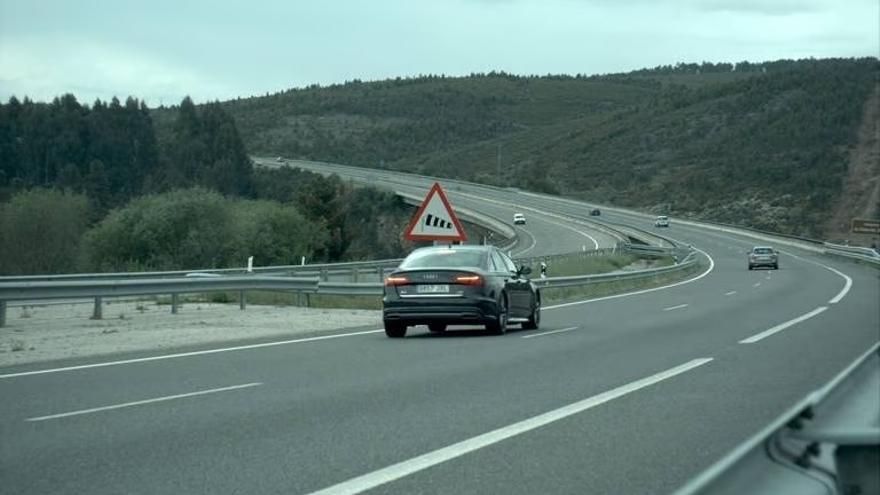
(58, 331)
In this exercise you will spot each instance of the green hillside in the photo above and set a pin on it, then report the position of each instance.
(765, 145)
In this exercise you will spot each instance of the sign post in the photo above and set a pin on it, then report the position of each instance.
(435, 220)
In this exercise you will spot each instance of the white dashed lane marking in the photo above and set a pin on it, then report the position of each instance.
(672, 308)
(550, 332)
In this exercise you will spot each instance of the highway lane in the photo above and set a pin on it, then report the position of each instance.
(332, 410)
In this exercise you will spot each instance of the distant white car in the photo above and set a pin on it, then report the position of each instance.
(519, 219)
(661, 221)
(279, 160)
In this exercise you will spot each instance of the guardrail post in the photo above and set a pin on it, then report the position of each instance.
(354, 274)
(324, 275)
(299, 298)
(2, 314)
(381, 272)
(98, 311)
(175, 301)
(308, 300)
(242, 303)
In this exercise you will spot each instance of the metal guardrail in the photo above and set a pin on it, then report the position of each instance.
(554, 258)
(180, 285)
(316, 269)
(371, 288)
(853, 252)
(582, 280)
(174, 286)
(828, 443)
(98, 289)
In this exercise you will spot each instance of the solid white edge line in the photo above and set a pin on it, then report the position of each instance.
(568, 329)
(782, 326)
(405, 468)
(672, 308)
(730, 293)
(532, 246)
(847, 280)
(635, 293)
(187, 354)
(145, 401)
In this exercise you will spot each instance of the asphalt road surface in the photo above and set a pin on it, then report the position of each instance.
(632, 394)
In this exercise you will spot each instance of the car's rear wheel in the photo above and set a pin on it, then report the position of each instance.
(751, 267)
(395, 330)
(499, 326)
(437, 327)
(776, 266)
(534, 318)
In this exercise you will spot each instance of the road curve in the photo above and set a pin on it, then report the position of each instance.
(629, 394)
(551, 234)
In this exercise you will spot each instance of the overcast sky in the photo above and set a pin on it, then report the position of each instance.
(161, 50)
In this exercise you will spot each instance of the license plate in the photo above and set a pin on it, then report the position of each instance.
(433, 289)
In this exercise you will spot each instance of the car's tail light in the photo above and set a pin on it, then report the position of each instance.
(396, 280)
(469, 280)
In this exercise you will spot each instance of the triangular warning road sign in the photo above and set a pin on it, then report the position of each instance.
(435, 220)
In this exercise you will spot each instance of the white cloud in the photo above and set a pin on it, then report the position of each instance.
(47, 67)
(164, 49)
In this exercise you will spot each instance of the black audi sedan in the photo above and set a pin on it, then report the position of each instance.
(459, 285)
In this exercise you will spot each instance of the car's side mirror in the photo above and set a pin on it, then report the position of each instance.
(525, 270)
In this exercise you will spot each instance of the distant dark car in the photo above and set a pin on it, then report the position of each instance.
(455, 285)
(763, 256)
(595, 212)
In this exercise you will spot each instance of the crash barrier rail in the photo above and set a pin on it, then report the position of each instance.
(853, 252)
(556, 258)
(317, 269)
(828, 443)
(862, 254)
(98, 289)
(582, 280)
(545, 283)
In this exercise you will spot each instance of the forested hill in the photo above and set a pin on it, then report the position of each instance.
(86, 188)
(764, 144)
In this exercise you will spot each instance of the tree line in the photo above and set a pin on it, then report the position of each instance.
(96, 188)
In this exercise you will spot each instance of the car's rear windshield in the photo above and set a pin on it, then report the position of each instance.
(453, 258)
(763, 250)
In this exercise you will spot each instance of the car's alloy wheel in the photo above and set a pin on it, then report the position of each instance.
(437, 327)
(499, 326)
(534, 318)
(395, 330)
